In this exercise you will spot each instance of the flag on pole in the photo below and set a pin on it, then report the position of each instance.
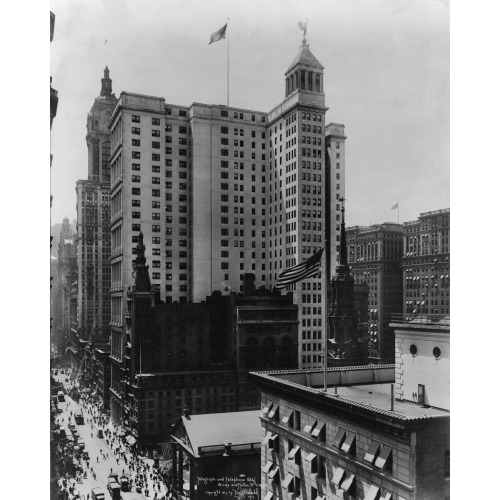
(306, 269)
(395, 206)
(218, 35)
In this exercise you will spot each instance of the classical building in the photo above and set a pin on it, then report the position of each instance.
(223, 453)
(93, 218)
(195, 355)
(356, 440)
(426, 264)
(219, 192)
(375, 258)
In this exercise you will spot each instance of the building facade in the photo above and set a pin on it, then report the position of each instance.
(220, 191)
(423, 359)
(66, 274)
(426, 264)
(93, 219)
(354, 441)
(375, 258)
(195, 355)
(223, 453)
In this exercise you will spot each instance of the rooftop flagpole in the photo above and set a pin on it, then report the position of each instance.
(227, 63)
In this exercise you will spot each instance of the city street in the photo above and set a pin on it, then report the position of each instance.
(98, 450)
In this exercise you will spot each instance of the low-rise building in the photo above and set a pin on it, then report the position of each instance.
(223, 452)
(354, 440)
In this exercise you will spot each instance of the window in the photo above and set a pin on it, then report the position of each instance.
(136, 130)
(155, 145)
(136, 155)
(136, 203)
(182, 112)
(156, 240)
(136, 119)
(136, 166)
(296, 417)
(156, 192)
(413, 350)
(155, 121)
(155, 157)
(136, 142)
(436, 352)
(156, 180)
(155, 204)
(136, 191)
(136, 227)
(136, 215)
(447, 463)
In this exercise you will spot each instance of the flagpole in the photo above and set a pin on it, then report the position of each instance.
(227, 29)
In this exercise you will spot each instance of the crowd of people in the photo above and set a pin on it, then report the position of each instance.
(142, 473)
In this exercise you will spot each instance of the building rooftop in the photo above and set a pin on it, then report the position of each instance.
(360, 389)
(378, 396)
(220, 429)
(305, 58)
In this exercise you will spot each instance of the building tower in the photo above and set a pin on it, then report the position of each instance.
(297, 183)
(93, 222)
(343, 317)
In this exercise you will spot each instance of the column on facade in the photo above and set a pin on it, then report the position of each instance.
(180, 480)
(192, 480)
(174, 465)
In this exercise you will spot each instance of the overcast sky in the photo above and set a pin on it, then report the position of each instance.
(386, 79)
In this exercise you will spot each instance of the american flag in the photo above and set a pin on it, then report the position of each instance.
(306, 269)
(218, 35)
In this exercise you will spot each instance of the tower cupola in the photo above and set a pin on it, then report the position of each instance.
(106, 84)
(305, 73)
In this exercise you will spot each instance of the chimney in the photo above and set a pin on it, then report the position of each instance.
(248, 284)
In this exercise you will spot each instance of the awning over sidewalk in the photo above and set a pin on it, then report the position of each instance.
(130, 439)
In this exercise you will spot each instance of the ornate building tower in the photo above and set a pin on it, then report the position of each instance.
(93, 222)
(343, 318)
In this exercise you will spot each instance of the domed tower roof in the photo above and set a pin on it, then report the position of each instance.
(306, 59)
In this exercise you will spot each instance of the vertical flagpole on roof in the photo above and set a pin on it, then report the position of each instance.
(227, 29)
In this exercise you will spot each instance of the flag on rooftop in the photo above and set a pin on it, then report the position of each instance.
(305, 269)
(218, 35)
(395, 206)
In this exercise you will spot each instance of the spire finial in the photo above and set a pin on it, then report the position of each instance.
(303, 27)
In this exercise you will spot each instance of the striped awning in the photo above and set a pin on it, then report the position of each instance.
(293, 451)
(338, 476)
(372, 492)
(288, 479)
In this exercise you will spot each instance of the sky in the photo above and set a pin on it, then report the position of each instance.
(386, 79)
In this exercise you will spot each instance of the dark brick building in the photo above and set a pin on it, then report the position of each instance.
(195, 355)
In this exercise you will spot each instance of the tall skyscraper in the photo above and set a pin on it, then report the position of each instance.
(426, 264)
(220, 191)
(374, 255)
(93, 219)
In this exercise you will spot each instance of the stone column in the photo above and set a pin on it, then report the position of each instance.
(192, 480)
(180, 480)
(174, 465)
